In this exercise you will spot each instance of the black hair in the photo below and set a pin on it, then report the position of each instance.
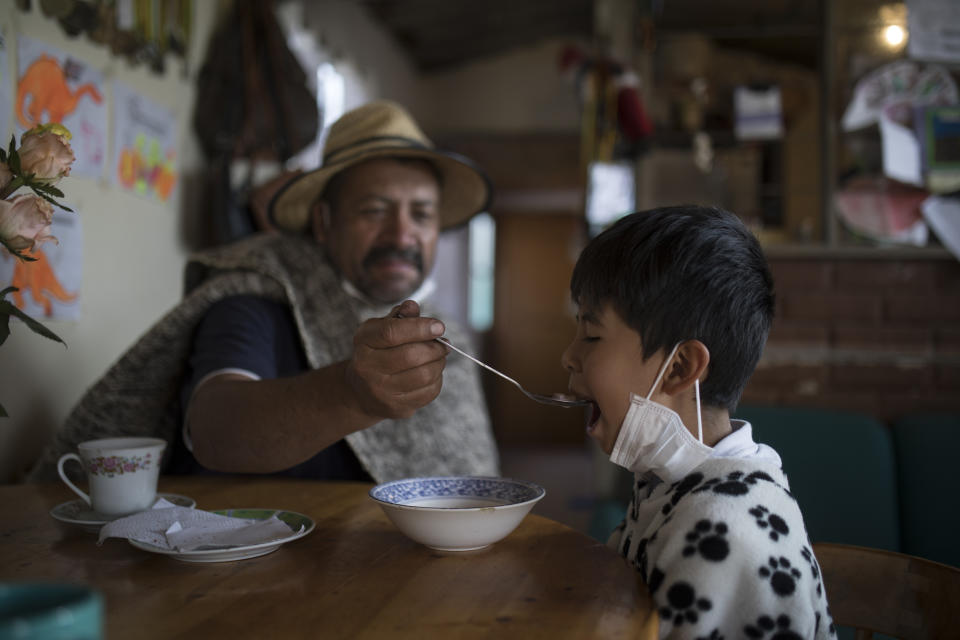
(680, 273)
(331, 191)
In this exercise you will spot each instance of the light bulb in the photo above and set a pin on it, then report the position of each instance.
(894, 35)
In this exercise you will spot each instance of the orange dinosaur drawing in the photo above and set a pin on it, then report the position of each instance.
(46, 84)
(38, 277)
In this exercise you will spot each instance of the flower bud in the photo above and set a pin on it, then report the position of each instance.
(25, 222)
(45, 152)
(51, 127)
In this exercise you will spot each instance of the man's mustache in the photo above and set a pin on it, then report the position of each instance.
(411, 255)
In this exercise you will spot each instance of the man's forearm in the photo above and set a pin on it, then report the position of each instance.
(261, 426)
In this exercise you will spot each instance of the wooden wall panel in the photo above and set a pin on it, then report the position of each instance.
(533, 325)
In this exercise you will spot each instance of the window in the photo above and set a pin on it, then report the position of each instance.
(482, 251)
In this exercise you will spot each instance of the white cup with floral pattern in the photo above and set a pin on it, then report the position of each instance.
(122, 473)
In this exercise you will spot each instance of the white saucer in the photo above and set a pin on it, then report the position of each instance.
(293, 520)
(79, 513)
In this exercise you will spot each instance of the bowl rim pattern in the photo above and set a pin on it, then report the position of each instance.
(511, 492)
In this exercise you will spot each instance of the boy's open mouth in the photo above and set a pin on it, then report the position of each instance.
(594, 417)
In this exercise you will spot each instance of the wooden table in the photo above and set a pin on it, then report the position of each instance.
(354, 576)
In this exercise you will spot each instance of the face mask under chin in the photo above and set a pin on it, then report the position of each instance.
(654, 439)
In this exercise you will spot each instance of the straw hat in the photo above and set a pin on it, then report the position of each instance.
(375, 130)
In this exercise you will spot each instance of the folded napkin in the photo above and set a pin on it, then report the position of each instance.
(186, 529)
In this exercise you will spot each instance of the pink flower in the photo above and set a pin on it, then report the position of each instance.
(45, 152)
(25, 222)
(5, 175)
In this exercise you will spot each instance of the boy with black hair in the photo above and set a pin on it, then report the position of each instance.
(675, 305)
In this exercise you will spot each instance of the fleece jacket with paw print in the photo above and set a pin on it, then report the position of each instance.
(725, 554)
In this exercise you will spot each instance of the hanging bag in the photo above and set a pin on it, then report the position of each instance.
(252, 103)
(252, 95)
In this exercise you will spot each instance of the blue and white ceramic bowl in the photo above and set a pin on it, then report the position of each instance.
(457, 513)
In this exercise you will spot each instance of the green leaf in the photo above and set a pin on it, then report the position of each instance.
(13, 145)
(3, 412)
(52, 190)
(42, 194)
(3, 155)
(49, 199)
(9, 309)
(12, 186)
(14, 162)
(15, 253)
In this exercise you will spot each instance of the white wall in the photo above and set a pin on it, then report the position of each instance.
(132, 247)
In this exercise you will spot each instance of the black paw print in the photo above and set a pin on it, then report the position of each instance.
(814, 567)
(709, 539)
(765, 519)
(780, 628)
(640, 558)
(665, 522)
(681, 489)
(808, 556)
(736, 484)
(783, 577)
(625, 549)
(831, 629)
(714, 635)
(683, 605)
(656, 579)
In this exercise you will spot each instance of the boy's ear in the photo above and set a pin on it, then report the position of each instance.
(689, 365)
(320, 221)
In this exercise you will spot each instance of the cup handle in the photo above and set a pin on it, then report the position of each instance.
(63, 476)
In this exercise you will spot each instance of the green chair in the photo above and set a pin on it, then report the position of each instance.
(842, 470)
(927, 447)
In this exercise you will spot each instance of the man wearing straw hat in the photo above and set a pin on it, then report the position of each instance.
(305, 351)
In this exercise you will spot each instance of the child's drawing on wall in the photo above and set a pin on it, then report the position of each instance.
(6, 100)
(38, 280)
(43, 94)
(144, 145)
(49, 286)
(53, 87)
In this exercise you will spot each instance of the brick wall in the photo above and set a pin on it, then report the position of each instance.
(880, 336)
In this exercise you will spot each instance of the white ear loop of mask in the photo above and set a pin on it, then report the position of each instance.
(696, 386)
(653, 438)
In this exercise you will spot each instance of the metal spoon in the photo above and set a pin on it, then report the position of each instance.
(555, 400)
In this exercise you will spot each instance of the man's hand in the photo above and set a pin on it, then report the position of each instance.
(397, 366)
